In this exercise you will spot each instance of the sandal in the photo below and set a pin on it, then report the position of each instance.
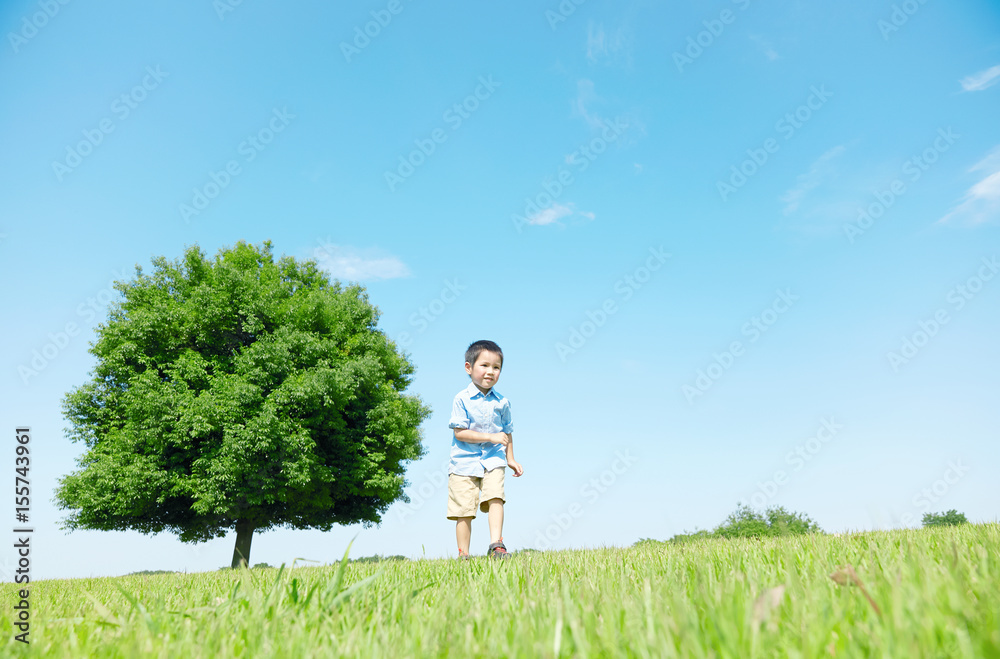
(497, 550)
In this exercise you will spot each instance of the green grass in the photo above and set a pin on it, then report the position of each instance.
(938, 591)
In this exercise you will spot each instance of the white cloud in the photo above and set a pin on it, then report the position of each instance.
(977, 82)
(981, 202)
(353, 264)
(550, 215)
(556, 212)
(820, 169)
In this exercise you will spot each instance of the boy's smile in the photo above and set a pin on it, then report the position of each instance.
(486, 371)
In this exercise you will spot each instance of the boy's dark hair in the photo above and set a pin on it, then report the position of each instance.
(472, 354)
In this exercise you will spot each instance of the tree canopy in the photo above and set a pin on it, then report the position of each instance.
(240, 393)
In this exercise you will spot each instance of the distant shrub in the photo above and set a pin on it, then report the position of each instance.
(147, 572)
(745, 522)
(647, 542)
(950, 518)
(261, 566)
(782, 522)
(698, 534)
(377, 558)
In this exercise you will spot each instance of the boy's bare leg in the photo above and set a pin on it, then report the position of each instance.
(496, 520)
(463, 533)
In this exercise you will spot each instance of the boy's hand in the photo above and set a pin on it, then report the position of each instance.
(516, 466)
(501, 438)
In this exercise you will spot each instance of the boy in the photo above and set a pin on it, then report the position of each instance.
(480, 449)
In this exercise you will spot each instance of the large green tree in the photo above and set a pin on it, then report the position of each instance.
(239, 393)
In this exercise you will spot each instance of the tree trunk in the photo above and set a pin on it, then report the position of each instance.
(244, 534)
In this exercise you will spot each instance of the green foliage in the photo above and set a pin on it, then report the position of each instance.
(744, 522)
(694, 536)
(149, 572)
(783, 522)
(239, 389)
(950, 518)
(378, 558)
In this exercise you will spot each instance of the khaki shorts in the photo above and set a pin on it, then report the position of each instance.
(464, 492)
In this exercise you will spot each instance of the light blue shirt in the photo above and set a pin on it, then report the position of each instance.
(483, 413)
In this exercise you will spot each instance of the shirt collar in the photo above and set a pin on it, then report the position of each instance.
(473, 390)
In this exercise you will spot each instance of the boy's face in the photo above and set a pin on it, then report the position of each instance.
(486, 371)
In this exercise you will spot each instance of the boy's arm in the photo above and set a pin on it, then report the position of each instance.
(513, 464)
(508, 428)
(476, 437)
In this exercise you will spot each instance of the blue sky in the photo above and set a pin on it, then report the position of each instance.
(732, 251)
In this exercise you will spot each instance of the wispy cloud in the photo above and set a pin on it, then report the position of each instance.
(585, 105)
(977, 82)
(981, 202)
(603, 45)
(315, 172)
(819, 170)
(585, 98)
(354, 264)
(596, 42)
(556, 212)
(765, 45)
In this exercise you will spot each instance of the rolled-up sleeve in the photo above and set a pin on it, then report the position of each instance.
(505, 417)
(459, 415)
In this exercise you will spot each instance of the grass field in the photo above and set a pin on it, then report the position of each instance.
(937, 592)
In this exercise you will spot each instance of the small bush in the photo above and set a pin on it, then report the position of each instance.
(682, 538)
(148, 572)
(950, 518)
(744, 522)
(748, 523)
(378, 558)
(647, 542)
